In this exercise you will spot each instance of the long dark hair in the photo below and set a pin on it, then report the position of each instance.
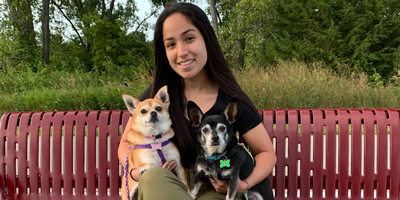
(216, 67)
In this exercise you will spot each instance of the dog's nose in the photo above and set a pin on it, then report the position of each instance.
(153, 117)
(215, 138)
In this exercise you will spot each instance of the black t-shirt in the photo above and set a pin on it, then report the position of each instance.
(246, 119)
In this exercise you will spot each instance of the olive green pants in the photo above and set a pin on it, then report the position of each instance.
(160, 183)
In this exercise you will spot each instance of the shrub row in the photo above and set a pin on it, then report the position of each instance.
(282, 86)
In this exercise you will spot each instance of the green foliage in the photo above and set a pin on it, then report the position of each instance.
(283, 85)
(294, 84)
(98, 41)
(112, 46)
(61, 90)
(112, 50)
(251, 26)
(163, 2)
(361, 34)
(16, 51)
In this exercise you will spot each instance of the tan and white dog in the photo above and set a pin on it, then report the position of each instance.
(150, 137)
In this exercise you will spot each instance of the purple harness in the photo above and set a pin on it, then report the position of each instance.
(155, 146)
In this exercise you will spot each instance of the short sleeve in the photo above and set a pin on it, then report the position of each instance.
(247, 117)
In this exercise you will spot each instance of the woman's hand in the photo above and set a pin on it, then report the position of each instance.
(222, 187)
(170, 166)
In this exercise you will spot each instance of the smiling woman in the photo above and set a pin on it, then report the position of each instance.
(189, 60)
(185, 47)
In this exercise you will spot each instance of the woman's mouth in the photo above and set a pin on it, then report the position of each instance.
(186, 62)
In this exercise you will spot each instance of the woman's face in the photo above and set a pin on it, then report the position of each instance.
(184, 45)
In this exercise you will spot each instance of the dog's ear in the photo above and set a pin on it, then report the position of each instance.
(194, 113)
(130, 102)
(231, 110)
(163, 96)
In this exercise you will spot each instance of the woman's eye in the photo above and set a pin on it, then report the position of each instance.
(143, 111)
(170, 45)
(189, 38)
(158, 108)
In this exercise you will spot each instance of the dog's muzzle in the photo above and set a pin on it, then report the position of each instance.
(153, 117)
(214, 140)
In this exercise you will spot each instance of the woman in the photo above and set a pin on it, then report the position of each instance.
(189, 60)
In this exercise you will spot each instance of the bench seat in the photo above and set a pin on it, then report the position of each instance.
(321, 154)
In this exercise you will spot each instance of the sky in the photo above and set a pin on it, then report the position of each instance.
(144, 7)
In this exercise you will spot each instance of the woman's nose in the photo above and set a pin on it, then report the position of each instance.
(182, 51)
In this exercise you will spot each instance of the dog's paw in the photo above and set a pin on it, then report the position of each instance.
(193, 194)
(144, 169)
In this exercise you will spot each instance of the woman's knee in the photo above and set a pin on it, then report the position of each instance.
(166, 183)
(154, 174)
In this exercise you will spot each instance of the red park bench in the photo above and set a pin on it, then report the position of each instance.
(322, 154)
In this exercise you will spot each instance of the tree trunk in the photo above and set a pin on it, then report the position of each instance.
(46, 31)
(213, 11)
(240, 43)
(110, 11)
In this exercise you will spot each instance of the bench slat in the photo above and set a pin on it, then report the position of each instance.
(322, 154)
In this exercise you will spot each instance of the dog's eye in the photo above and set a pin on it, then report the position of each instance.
(158, 108)
(204, 130)
(222, 128)
(143, 111)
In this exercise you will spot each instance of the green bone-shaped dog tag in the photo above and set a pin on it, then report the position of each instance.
(225, 163)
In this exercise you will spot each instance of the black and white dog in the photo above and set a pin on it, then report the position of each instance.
(219, 154)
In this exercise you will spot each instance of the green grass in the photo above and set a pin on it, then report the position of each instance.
(60, 91)
(286, 85)
(298, 85)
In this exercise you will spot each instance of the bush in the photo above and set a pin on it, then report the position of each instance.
(282, 86)
(299, 85)
(60, 90)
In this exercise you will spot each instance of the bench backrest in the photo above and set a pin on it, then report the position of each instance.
(335, 154)
(322, 154)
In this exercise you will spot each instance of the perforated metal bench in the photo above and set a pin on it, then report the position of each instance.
(322, 154)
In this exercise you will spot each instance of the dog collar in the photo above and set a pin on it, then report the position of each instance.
(215, 156)
(155, 146)
(154, 137)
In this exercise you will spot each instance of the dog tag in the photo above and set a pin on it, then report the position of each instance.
(246, 196)
(156, 146)
(225, 163)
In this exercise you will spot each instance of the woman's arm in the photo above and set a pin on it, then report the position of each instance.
(261, 147)
(122, 150)
(264, 154)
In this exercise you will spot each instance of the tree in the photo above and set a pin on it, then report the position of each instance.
(362, 34)
(100, 30)
(243, 32)
(240, 42)
(46, 31)
(162, 2)
(213, 11)
(21, 19)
